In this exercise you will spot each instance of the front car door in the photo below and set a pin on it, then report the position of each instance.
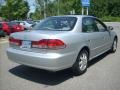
(93, 37)
(105, 34)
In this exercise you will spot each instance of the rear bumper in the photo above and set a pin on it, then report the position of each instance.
(48, 61)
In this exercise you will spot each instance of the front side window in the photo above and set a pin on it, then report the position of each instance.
(100, 26)
(57, 24)
(89, 25)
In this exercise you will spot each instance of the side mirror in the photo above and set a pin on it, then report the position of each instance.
(110, 28)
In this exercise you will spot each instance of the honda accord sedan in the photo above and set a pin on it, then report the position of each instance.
(62, 42)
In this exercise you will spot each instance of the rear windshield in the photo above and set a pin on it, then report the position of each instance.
(30, 22)
(57, 24)
(13, 23)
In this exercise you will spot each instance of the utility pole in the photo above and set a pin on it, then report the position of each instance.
(86, 5)
(87, 10)
(58, 3)
(44, 8)
(82, 10)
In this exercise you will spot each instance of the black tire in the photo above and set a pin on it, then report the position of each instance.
(25, 28)
(4, 33)
(114, 46)
(77, 68)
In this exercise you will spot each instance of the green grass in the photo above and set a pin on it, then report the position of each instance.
(110, 19)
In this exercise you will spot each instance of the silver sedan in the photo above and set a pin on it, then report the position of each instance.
(61, 42)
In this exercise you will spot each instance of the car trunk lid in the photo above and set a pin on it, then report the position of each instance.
(27, 37)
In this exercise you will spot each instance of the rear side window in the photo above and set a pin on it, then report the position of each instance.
(13, 23)
(89, 25)
(57, 24)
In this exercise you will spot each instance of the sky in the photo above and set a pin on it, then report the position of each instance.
(30, 2)
(32, 5)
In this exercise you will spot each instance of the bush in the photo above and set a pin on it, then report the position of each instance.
(110, 19)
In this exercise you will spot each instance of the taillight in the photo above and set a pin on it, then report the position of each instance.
(49, 44)
(15, 41)
(55, 43)
(17, 28)
(40, 44)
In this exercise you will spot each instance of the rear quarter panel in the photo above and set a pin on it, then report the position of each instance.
(74, 41)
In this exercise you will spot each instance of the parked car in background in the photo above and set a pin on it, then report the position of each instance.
(37, 21)
(27, 24)
(61, 42)
(5, 27)
(10, 27)
(2, 34)
(15, 26)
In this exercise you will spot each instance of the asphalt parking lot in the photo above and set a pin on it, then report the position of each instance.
(103, 73)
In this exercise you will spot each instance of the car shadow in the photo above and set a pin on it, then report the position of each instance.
(99, 58)
(41, 76)
(46, 77)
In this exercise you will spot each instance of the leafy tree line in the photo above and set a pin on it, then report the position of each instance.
(98, 8)
(14, 9)
(102, 8)
(18, 9)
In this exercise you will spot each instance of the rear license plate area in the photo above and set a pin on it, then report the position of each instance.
(26, 45)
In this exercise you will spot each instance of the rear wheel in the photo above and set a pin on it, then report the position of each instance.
(4, 33)
(81, 63)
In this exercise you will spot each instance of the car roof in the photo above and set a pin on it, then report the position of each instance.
(3, 22)
(78, 16)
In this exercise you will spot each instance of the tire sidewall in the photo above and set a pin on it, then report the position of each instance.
(112, 49)
(76, 68)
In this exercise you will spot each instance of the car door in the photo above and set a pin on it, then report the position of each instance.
(105, 34)
(93, 36)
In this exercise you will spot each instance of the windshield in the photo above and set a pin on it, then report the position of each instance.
(57, 24)
(13, 23)
(30, 22)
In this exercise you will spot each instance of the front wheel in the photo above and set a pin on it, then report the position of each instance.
(80, 66)
(114, 46)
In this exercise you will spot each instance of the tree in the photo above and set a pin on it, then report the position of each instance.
(38, 14)
(98, 8)
(101, 8)
(42, 6)
(15, 9)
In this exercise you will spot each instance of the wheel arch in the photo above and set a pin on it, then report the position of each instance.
(86, 48)
(74, 67)
(116, 38)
